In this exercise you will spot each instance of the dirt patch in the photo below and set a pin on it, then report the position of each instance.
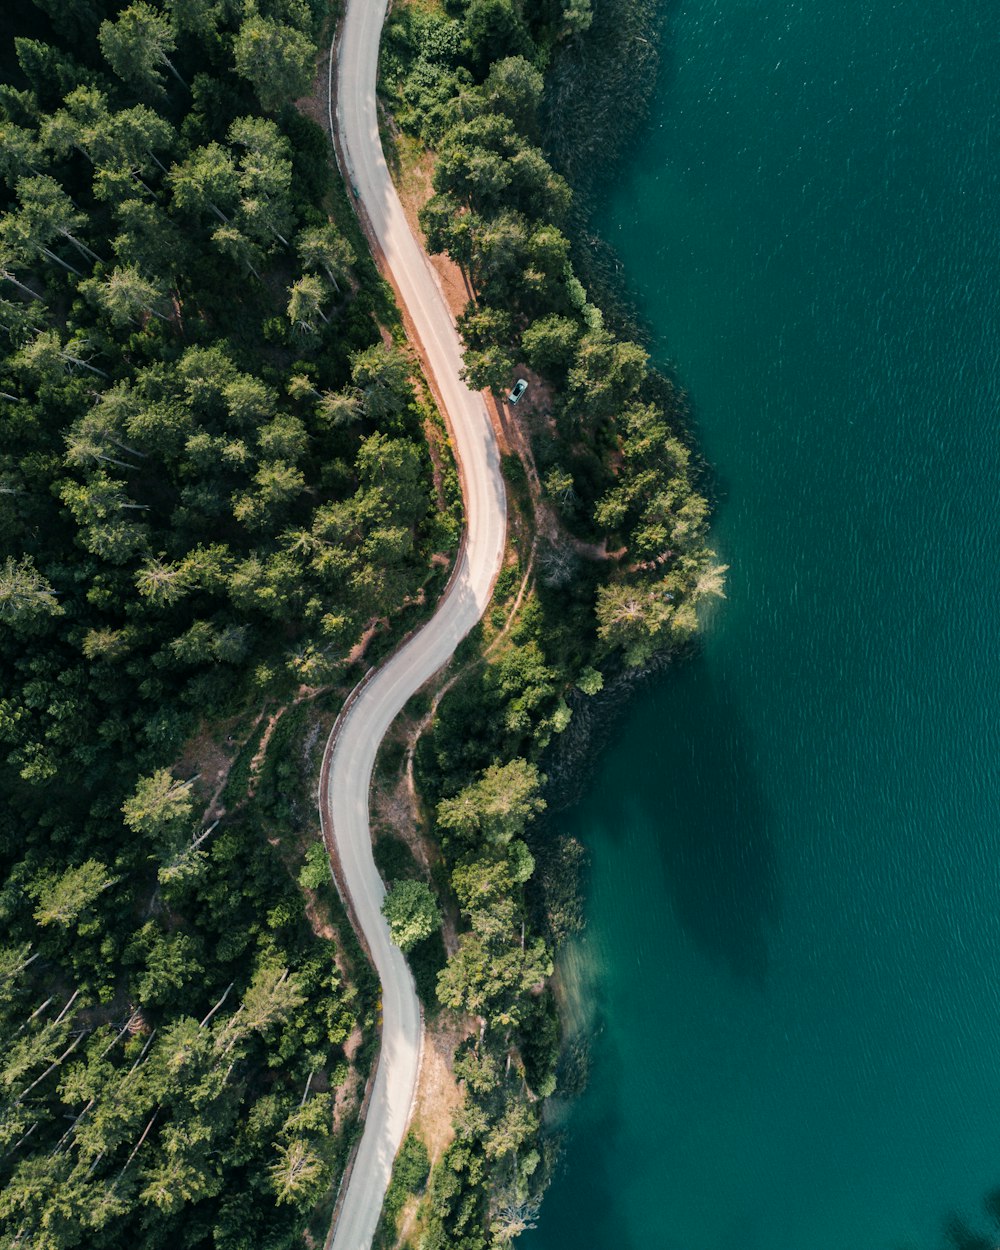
(394, 807)
(438, 1093)
(357, 652)
(211, 760)
(320, 924)
(454, 286)
(313, 105)
(439, 451)
(347, 1098)
(413, 174)
(406, 1221)
(257, 763)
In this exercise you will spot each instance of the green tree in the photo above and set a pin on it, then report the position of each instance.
(635, 617)
(494, 28)
(382, 374)
(26, 597)
(148, 240)
(324, 247)
(487, 889)
(137, 46)
(411, 911)
(62, 898)
(299, 1174)
(168, 962)
(577, 17)
(47, 212)
(339, 408)
(232, 242)
(98, 505)
(277, 60)
(514, 87)
(47, 358)
(488, 370)
(160, 808)
(264, 178)
(121, 145)
(491, 981)
(550, 345)
(207, 181)
(161, 582)
(305, 304)
(125, 294)
(497, 807)
(606, 372)
(272, 995)
(20, 152)
(315, 872)
(276, 485)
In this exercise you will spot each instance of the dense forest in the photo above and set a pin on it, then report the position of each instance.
(214, 485)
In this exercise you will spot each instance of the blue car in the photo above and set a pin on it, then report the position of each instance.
(520, 386)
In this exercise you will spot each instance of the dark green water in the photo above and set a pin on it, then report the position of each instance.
(794, 945)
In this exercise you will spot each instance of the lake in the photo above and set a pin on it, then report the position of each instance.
(792, 962)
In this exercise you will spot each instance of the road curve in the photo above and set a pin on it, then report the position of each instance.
(351, 750)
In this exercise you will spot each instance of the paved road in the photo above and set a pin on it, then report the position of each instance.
(351, 750)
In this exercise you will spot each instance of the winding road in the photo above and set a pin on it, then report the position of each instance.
(350, 753)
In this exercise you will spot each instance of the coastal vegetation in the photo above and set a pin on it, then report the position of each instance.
(215, 491)
(608, 545)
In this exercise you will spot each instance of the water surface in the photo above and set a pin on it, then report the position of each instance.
(794, 929)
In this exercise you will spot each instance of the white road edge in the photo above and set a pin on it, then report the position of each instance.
(350, 752)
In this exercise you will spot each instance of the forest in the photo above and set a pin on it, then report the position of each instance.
(215, 490)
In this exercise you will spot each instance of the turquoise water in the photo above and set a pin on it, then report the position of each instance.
(794, 937)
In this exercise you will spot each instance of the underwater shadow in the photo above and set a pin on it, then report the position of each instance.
(582, 1208)
(965, 1232)
(700, 790)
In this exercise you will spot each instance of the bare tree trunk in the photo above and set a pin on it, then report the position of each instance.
(142, 1055)
(22, 1140)
(20, 286)
(82, 248)
(220, 1002)
(170, 65)
(128, 1024)
(37, 1012)
(125, 447)
(66, 1136)
(82, 363)
(59, 261)
(52, 1067)
(138, 1144)
(198, 841)
(111, 460)
(305, 1092)
(73, 998)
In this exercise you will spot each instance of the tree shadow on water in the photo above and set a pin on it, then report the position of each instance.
(586, 1207)
(702, 794)
(960, 1233)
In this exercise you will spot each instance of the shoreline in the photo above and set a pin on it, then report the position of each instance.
(587, 720)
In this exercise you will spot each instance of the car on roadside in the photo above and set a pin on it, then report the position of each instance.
(520, 386)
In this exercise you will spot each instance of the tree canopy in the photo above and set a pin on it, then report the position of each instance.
(214, 492)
